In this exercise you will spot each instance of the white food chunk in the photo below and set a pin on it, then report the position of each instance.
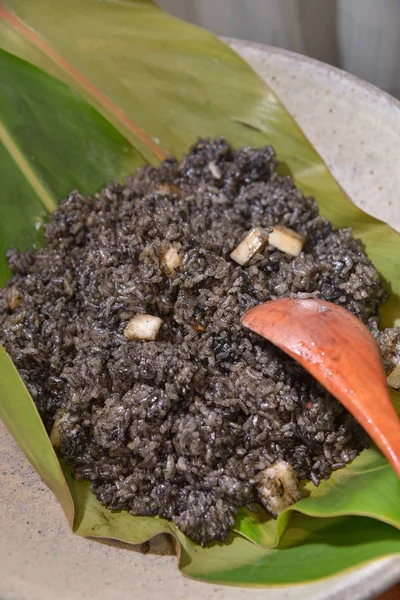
(278, 487)
(286, 240)
(254, 242)
(171, 260)
(143, 327)
(394, 378)
(215, 170)
(55, 436)
(14, 297)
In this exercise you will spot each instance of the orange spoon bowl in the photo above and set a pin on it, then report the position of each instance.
(338, 350)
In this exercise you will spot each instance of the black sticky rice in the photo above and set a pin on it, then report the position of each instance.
(180, 427)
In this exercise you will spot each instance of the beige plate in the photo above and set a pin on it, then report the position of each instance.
(356, 128)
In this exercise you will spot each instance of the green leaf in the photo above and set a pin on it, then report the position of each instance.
(21, 418)
(140, 85)
(96, 521)
(310, 549)
(258, 527)
(51, 142)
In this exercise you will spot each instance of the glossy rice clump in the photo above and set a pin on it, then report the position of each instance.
(181, 426)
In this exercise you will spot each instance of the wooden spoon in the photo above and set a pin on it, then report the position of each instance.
(339, 351)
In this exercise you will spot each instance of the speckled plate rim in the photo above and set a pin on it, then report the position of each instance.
(316, 65)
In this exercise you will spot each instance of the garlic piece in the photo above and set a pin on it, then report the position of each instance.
(394, 378)
(166, 189)
(215, 170)
(286, 240)
(55, 436)
(14, 298)
(142, 327)
(171, 260)
(254, 242)
(278, 487)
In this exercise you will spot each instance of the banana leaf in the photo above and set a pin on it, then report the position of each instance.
(91, 89)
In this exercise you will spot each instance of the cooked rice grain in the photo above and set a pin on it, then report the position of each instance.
(180, 427)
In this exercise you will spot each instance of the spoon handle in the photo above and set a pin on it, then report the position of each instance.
(339, 351)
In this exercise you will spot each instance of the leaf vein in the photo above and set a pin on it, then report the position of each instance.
(85, 83)
(26, 169)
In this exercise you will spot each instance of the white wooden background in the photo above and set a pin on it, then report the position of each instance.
(360, 36)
